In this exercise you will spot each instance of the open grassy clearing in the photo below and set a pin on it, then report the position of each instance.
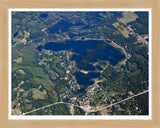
(124, 32)
(21, 71)
(128, 17)
(26, 34)
(38, 94)
(18, 60)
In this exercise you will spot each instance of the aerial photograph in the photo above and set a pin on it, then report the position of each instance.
(79, 63)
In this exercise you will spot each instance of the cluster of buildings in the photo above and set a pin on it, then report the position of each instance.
(92, 91)
(73, 85)
(66, 64)
(140, 38)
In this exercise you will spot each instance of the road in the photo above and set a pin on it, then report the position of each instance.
(120, 101)
(85, 109)
(41, 108)
(49, 106)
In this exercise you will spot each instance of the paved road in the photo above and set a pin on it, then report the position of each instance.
(42, 108)
(88, 110)
(120, 101)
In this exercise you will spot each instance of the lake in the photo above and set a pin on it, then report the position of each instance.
(62, 26)
(80, 50)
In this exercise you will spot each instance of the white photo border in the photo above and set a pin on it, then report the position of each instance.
(101, 117)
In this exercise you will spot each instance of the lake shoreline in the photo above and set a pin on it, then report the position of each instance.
(123, 62)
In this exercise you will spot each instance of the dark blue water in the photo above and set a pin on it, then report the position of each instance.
(99, 68)
(95, 14)
(86, 52)
(62, 26)
(85, 79)
(15, 34)
(43, 15)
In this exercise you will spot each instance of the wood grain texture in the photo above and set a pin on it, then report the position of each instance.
(6, 4)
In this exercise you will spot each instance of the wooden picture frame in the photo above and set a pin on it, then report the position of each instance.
(4, 62)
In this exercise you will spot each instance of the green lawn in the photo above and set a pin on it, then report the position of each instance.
(128, 17)
(124, 32)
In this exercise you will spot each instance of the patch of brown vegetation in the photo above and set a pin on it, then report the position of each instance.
(16, 111)
(104, 112)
